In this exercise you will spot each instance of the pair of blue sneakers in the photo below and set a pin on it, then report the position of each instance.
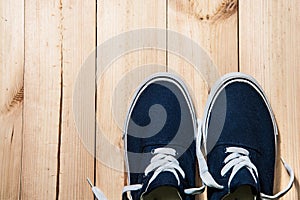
(164, 142)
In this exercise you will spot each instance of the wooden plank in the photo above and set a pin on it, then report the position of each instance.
(269, 51)
(42, 94)
(11, 98)
(212, 25)
(116, 83)
(77, 151)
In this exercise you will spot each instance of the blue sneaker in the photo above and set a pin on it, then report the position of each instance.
(239, 135)
(159, 140)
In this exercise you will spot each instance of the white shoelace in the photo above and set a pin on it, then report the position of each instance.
(287, 188)
(237, 159)
(164, 161)
(97, 192)
(206, 177)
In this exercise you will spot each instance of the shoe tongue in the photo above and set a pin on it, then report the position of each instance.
(242, 178)
(163, 179)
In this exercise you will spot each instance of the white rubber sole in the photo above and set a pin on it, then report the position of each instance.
(221, 84)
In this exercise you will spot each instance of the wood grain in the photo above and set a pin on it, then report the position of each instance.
(11, 96)
(269, 50)
(116, 83)
(42, 94)
(77, 143)
(11, 55)
(212, 25)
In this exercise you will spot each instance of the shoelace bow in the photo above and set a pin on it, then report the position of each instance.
(164, 161)
(236, 160)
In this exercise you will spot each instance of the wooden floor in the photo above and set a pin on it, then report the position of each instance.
(44, 43)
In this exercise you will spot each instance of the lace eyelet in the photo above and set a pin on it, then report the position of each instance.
(153, 151)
